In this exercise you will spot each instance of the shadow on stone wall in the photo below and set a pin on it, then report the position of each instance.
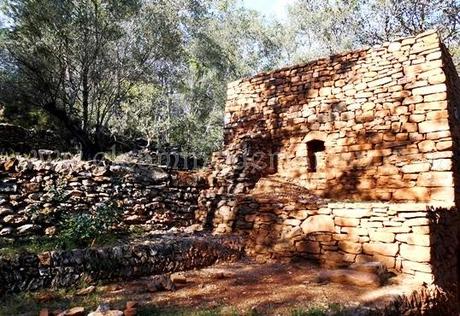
(444, 232)
(244, 164)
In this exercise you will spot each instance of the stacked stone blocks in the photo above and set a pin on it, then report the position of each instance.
(384, 181)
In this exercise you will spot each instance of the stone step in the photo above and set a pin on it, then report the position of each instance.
(374, 267)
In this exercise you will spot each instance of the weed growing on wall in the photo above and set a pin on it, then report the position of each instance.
(84, 228)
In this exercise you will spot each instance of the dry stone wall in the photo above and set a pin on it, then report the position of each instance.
(163, 254)
(34, 194)
(382, 114)
(401, 236)
(345, 159)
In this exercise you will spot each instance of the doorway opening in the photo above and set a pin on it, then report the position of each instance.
(315, 150)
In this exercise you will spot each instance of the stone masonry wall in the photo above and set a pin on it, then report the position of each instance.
(382, 114)
(338, 234)
(164, 254)
(34, 194)
(345, 159)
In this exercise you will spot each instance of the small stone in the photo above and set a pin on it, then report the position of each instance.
(26, 229)
(44, 312)
(102, 308)
(50, 231)
(86, 291)
(10, 164)
(161, 283)
(130, 312)
(6, 211)
(178, 278)
(6, 231)
(394, 47)
(76, 311)
(44, 259)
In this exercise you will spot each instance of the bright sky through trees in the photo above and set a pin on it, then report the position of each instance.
(276, 8)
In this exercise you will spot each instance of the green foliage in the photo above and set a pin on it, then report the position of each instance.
(309, 312)
(57, 193)
(221, 42)
(159, 69)
(332, 26)
(82, 228)
(78, 59)
(32, 245)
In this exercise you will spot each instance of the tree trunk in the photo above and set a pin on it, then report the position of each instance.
(85, 92)
(91, 150)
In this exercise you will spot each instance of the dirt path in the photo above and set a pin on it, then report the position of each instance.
(268, 289)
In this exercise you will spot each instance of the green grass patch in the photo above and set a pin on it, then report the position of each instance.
(29, 303)
(11, 248)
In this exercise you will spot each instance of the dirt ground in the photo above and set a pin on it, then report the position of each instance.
(236, 289)
(245, 287)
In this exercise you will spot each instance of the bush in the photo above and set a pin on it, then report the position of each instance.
(84, 228)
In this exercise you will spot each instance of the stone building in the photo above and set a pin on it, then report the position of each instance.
(346, 159)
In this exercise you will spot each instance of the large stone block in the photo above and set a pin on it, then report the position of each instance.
(346, 222)
(415, 239)
(417, 266)
(387, 261)
(350, 247)
(433, 126)
(435, 179)
(381, 249)
(438, 88)
(318, 223)
(388, 170)
(442, 165)
(415, 253)
(382, 236)
(416, 167)
(353, 212)
(427, 146)
(412, 194)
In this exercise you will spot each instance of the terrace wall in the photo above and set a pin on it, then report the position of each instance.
(35, 194)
